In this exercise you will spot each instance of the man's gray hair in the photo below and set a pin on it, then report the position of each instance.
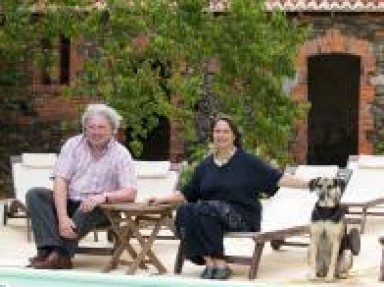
(102, 110)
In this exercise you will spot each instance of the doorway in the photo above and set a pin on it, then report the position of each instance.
(333, 91)
(157, 144)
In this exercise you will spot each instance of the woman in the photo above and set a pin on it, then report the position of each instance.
(222, 196)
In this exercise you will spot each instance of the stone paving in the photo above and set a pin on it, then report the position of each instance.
(287, 266)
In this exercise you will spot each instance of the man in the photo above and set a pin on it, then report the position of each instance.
(92, 169)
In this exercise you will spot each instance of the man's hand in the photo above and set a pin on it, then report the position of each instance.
(67, 228)
(89, 203)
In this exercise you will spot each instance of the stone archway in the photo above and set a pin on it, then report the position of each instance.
(334, 41)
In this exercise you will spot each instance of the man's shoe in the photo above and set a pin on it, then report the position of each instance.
(208, 272)
(41, 255)
(222, 273)
(54, 261)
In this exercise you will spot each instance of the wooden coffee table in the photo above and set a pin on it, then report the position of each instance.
(126, 221)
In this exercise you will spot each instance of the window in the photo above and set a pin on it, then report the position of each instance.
(55, 61)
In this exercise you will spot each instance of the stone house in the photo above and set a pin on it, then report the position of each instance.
(339, 70)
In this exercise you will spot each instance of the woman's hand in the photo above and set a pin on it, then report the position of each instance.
(289, 180)
(154, 201)
(175, 197)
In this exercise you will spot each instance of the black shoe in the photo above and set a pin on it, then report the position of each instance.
(208, 272)
(222, 273)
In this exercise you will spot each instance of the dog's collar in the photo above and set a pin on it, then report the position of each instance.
(334, 214)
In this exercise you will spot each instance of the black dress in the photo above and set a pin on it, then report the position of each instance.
(222, 199)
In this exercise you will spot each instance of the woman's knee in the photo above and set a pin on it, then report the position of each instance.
(184, 211)
(183, 218)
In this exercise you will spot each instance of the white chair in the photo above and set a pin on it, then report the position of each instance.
(364, 194)
(155, 178)
(293, 206)
(28, 170)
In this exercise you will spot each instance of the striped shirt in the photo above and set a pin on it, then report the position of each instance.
(87, 175)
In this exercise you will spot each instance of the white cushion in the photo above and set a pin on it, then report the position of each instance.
(26, 177)
(371, 161)
(292, 207)
(148, 187)
(152, 169)
(38, 159)
(312, 171)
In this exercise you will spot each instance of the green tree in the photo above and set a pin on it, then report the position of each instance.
(14, 36)
(140, 54)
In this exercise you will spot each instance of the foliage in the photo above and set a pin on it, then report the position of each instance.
(379, 147)
(150, 58)
(13, 53)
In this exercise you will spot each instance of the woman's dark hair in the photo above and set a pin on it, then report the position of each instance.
(232, 125)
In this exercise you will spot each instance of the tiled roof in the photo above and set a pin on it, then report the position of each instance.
(327, 5)
(301, 5)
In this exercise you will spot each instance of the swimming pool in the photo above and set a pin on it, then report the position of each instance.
(16, 277)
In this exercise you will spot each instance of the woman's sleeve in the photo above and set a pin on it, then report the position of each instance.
(191, 189)
(268, 177)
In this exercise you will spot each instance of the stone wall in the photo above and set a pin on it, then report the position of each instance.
(356, 34)
(49, 120)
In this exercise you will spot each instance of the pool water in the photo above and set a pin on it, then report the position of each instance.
(19, 277)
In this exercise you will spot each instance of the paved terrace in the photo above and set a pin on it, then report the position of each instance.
(284, 267)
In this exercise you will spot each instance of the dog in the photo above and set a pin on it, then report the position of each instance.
(329, 253)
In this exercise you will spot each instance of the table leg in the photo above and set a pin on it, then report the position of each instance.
(127, 227)
(146, 246)
(124, 235)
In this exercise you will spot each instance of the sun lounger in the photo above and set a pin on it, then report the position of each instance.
(28, 170)
(155, 178)
(365, 191)
(285, 215)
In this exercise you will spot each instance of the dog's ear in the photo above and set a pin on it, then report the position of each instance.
(341, 183)
(313, 182)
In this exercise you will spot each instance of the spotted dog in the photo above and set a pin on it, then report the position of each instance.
(329, 251)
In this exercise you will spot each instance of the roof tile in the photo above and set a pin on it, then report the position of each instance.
(327, 5)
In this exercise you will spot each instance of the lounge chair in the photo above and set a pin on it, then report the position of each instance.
(364, 194)
(28, 170)
(155, 178)
(285, 215)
